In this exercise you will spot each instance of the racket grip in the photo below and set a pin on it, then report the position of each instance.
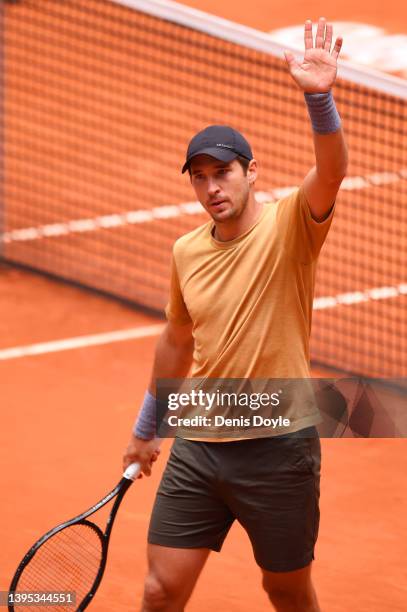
(132, 471)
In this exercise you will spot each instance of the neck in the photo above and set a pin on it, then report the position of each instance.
(233, 228)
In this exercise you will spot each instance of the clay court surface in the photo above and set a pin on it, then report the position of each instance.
(266, 15)
(66, 418)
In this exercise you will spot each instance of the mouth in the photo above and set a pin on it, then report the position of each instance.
(217, 203)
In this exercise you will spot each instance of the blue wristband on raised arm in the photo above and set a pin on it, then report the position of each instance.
(145, 426)
(324, 117)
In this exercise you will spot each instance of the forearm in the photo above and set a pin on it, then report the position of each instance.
(331, 156)
(173, 357)
(323, 181)
(331, 153)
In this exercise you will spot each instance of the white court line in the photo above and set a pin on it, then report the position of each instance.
(356, 297)
(171, 211)
(320, 303)
(80, 342)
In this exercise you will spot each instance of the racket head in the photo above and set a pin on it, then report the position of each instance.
(70, 558)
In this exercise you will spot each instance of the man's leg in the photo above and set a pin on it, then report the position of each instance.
(172, 575)
(188, 520)
(291, 591)
(275, 497)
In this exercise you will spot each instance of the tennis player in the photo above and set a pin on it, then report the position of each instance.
(240, 307)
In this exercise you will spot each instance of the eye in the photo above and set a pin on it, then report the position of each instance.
(223, 171)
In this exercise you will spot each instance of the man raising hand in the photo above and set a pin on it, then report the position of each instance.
(240, 306)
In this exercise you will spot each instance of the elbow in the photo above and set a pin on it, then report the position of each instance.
(335, 179)
(340, 173)
(338, 180)
(336, 169)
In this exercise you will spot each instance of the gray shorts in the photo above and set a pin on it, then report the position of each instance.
(270, 485)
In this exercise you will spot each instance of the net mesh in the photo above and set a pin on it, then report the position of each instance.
(68, 562)
(100, 103)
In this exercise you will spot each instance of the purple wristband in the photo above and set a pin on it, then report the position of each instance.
(324, 117)
(146, 423)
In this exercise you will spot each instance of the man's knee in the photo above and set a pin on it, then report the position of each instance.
(284, 598)
(157, 594)
(293, 591)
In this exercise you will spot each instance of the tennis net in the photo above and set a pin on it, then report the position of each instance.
(100, 101)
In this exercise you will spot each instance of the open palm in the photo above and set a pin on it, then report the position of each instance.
(317, 72)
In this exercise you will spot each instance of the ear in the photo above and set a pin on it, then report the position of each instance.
(252, 171)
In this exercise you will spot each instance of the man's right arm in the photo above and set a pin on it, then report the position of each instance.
(173, 354)
(173, 358)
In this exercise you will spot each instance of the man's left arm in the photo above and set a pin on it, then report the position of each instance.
(315, 76)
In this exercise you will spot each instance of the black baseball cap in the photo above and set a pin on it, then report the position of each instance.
(219, 141)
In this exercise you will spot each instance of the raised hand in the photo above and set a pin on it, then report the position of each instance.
(317, 72)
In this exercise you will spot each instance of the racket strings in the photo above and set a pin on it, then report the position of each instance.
(68, 561)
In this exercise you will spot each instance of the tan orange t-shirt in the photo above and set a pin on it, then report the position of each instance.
(250, 299)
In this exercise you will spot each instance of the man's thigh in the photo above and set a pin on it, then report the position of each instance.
(176, 569)
(273, 490)
(188, 511)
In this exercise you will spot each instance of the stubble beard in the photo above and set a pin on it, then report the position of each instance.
(234, 212)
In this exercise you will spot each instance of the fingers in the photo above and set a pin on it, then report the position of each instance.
(308, 34)
(145, 462)
(323, 38)
(126, 463)
(319, 39)
(328, 38)
(144, 452)
(337, 48)
(146, 469)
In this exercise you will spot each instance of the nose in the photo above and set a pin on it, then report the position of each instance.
(213, 187)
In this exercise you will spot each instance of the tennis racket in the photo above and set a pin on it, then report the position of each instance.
(69, 558)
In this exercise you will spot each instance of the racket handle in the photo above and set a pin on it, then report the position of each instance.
(132, 471)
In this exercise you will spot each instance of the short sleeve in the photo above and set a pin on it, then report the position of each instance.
(301, 235)
(176, 309)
